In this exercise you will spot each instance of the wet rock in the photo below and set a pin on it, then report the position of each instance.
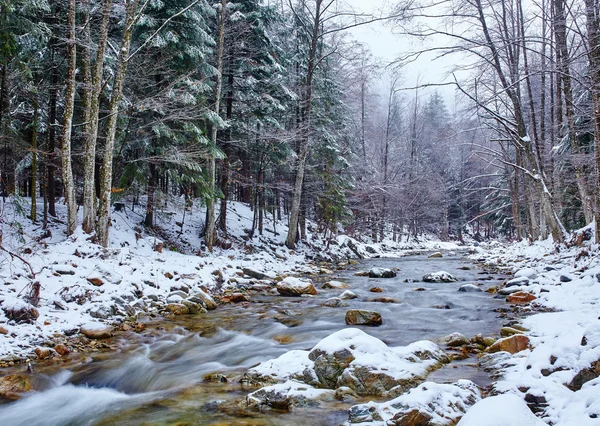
(419, 289)
(345, 393)
(45, 353)
(285, 396)
(295, 287)
(435, 255)
(384, 299)
(376, 290)
(469, 288)
(347, 295)
(204, 299)
(96, 331)
(513, 344)
(361, 274)
(235, 298)
(177, 309)
(509, 331)
(439, 277)
(455, 340)
(13, 385)
(363, 317)
(335, 284)
(335, 302)
(3, 330)
(520, 297)
(428, 404)
(382, 273)
(61, 349)
(193, 308)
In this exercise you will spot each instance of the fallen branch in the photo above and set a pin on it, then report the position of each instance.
(13, 255)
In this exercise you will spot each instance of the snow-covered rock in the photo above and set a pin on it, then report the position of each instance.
(285, 396)
(429, 403)
(500, 410)
(439, 277)
(292, 286)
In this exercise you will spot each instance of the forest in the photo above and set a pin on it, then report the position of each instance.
(274, 104)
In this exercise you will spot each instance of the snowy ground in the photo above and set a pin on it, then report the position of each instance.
(84, 284)
(559, 376)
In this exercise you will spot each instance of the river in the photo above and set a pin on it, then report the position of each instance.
(186, 371)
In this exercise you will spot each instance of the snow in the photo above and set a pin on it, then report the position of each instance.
(500, 410)
(444, 403)
(565, 337)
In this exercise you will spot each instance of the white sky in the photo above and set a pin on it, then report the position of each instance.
(388, 47)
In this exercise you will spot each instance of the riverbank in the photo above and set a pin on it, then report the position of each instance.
(54, 287)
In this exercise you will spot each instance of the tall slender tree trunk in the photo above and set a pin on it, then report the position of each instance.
(592, 14)
(93, 83)
(111, 126)
(34, 158)
(560, 30)
(210, 231)
(304, 127)
(65, 149)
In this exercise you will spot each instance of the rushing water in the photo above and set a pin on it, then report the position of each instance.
(186, 372)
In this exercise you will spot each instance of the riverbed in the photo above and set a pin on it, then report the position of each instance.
(187, 371)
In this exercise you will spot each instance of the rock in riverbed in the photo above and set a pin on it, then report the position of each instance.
(439, 277)
(363, 317)
(295, 287)
(382, 273)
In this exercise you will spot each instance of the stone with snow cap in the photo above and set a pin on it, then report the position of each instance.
(381, 273)
(428, 404)
(296, 287)
(440, 277)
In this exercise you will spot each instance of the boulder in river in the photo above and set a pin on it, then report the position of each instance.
(285, 396)
(381, 273)
(436, 255)
(13, 385)
(335, 302)
(347, 295)
(384, 299)
(428, 404)
(204, 299)
(352, 359)
(439, 277)
(295, 287)
(335, 284)
(363, 317)
(469, 288)
(455, 340)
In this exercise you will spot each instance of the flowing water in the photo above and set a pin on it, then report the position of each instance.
(186, 371)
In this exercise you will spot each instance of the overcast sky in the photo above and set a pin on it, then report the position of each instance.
(387, 46)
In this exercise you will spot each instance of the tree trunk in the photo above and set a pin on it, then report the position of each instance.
(149, 219)
(65, 150)
(111, 126)
(560, 30)
(304, 128)
(34, 158)
(93, 83)
(210, 231)
(593, 29)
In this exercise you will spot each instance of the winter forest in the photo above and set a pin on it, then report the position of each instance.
(238, 212)
(275, 105)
